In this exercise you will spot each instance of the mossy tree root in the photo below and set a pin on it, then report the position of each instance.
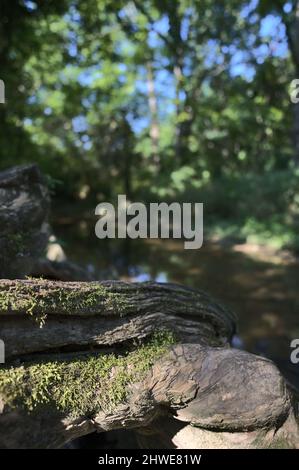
(217, 395)
(86, 357)
(41, 315)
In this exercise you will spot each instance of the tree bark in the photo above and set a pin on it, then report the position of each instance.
(102, 313)
(226, 395)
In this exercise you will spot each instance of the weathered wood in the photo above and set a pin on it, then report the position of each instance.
(230, 396)
(94, 332)
(105, 313)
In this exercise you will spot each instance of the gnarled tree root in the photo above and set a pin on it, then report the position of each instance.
(182, 386)
(224, 397)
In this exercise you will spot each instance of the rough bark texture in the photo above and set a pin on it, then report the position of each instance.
(210, 395)
(24, 204)
(190, 383)
(104, 313)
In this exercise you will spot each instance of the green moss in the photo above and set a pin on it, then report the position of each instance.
(37, 302)
(95, 295)
(22, 298)
(83, 386)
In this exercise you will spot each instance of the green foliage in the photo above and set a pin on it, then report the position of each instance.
(146, 98)
(255, 208)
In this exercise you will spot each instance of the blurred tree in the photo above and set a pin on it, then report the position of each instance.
(153, 97)
(289, 13)
(19, 40)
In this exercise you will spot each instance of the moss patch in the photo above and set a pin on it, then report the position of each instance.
(37, 301)
(83, 386)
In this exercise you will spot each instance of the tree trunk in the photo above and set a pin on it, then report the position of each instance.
(296, 132)
(292, 28)
(296, 63)
(153, 107)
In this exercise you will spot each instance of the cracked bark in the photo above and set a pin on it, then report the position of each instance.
(105, 313)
